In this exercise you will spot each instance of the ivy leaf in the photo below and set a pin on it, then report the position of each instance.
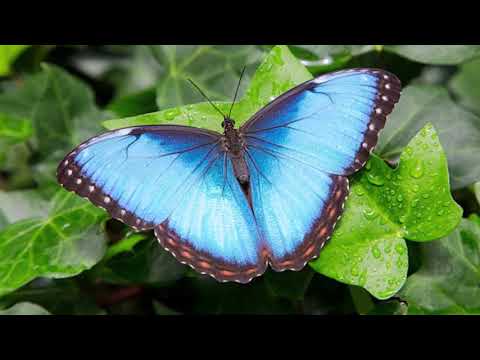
(141, 102)
(465, 84)
(212, 297)
(25, 308)
(385, 207)
(180, 63)
(323, 58)
(20, 205)
(65, 243)
(457, 128)
(57, 296)
(447, 282)
(161, 309)
(136, 260)
(290, 285)
(390, 307)
(62, 109)
(476, 189)
(279, 71)
(436, 54)
(14, 130)
(8, 54)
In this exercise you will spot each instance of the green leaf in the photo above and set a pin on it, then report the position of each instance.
(211, 297)
(62, 109)
(323, 58)
(14, 129)
(385, 207)
(161, 309)
(57, 296)
(290, 285)
(476, 189)
(457, 128)
(25, 308)
(124, 245)
(144, 262)
(279, 72)
(65, 243)
(436, 54)
(180, 63)
(465, 84)
(390, 307)
(8, 54)
(20, 205)
(138, 103)
(138, 72)
(447, 282)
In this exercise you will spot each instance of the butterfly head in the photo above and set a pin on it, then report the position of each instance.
(228, 123)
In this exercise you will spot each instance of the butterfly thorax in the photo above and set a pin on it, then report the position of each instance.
(234, 144)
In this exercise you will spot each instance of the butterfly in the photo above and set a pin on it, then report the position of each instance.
(266, 194)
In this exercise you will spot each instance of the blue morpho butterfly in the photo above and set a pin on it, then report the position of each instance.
(229, 204)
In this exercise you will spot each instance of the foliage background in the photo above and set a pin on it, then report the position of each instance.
(407, 244)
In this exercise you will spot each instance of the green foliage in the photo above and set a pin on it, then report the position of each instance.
(136, 260)
(385, 207)
(47, 234)
(447, 282)
(465, 84)
(65, 243)
(436, 54)
(457, 128)
(8, 54)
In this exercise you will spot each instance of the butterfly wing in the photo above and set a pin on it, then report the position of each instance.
(179, 181)
(300, 148)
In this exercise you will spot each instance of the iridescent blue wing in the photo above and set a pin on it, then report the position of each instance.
(179, 181)
(300, 148)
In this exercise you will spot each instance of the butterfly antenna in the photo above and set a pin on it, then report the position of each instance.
(236, 91)
(206, 97)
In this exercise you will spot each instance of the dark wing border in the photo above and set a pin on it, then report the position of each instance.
(203, 262)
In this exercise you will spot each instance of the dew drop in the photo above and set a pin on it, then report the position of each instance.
(368, 166)
(400, 249)
(359, 191)
(388, 247)
(369, 213)
(417, 171)
(376, 252)
(375, 179)
(399, 198)
(402, 218)
(355, 271)
(172, 113)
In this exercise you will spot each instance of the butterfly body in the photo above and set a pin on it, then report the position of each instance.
(234, 143)
(229, 204)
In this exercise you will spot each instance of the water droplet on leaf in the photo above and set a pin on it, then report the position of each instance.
(375, 179)
(417, 170)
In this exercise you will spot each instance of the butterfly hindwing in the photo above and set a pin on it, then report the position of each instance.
(296, 207)
(299, 150)
(180, 182)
